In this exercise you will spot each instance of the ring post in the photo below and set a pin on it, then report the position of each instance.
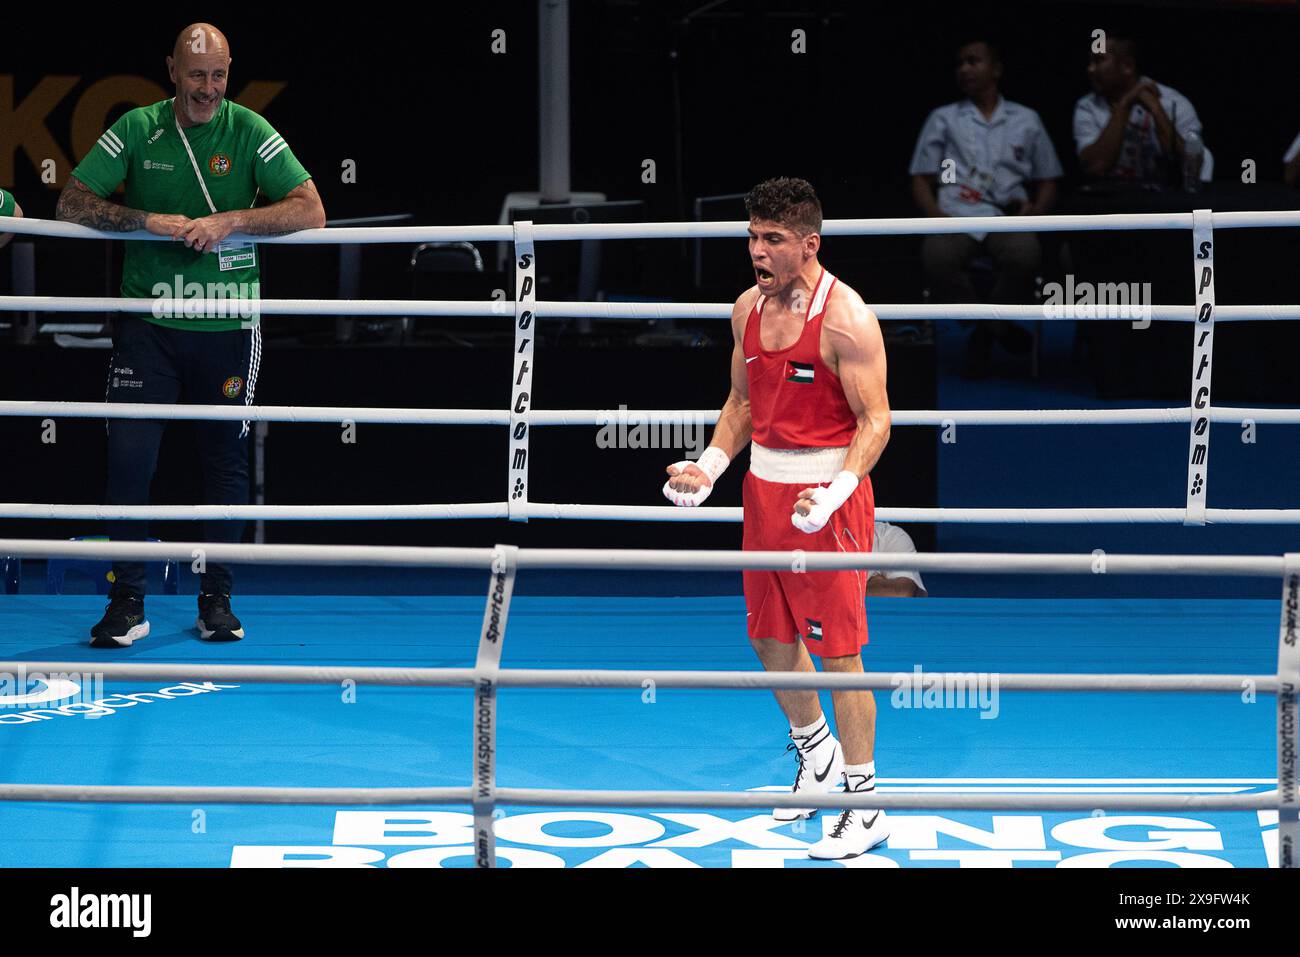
(522, 367)
(501, 585)
(1288, 684)
(1198, 454)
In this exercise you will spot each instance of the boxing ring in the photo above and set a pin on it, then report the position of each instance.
(441, 836)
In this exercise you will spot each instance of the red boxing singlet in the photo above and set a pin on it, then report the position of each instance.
(795, 400)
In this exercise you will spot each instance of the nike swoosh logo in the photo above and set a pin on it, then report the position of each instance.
(867, 824)
(822, 777)
(750, 359)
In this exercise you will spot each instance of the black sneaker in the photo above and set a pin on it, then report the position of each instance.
(215, 621)
(123, 623)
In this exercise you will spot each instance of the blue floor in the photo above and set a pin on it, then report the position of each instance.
(315, 736)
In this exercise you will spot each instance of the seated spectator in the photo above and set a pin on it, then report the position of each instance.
(1291, 159)
(984, 153)
(898, 584)
(8, 207)
(1131, 128)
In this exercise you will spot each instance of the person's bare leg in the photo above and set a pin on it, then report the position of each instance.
(859, 830)
(855, 713)
(821, 759)
(801, 708)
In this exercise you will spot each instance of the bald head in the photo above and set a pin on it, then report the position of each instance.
(200, 38)
(199, 67)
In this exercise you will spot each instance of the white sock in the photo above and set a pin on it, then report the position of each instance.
(860, 777)
(810, 736)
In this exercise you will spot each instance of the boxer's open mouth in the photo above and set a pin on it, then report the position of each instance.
(763, 275)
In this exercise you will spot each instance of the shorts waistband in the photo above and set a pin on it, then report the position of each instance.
(792, 466)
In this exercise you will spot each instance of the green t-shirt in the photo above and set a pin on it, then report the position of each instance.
(6, 203)
(237, 152)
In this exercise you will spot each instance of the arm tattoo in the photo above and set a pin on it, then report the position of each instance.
(298, 210)
(77, 204)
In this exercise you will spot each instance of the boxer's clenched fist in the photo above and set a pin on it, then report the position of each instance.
(814, 507)
(690, 483)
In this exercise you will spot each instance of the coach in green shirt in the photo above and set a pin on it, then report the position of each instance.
(8, 207)
(192, 168)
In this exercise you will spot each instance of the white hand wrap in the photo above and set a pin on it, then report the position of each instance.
(712, 463)
(824, 503)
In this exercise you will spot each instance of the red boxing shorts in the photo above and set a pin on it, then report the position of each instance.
(826, 609)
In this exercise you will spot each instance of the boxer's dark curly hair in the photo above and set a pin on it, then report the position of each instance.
(787, 200)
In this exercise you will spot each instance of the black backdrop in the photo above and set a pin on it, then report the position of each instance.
(440, 126)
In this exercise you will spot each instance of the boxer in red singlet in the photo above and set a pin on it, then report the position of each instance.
(808, 387)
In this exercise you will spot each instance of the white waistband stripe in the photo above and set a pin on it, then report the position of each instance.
(791, 466)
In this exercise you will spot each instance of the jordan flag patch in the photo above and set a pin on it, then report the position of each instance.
(814, 629)
(799, 372)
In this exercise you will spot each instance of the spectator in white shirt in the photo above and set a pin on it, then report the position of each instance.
(899, 584)
(1291, 159)
(985, 154)
(1131, 128)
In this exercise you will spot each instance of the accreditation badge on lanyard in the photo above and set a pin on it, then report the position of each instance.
(231, 254)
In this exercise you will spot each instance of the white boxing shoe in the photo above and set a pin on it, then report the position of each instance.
(821, 769)
(855, 833)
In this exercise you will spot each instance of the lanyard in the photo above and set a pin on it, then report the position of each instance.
(193, 162)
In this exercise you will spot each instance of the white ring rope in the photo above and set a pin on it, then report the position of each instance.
(266, 413)
(630, 513)
(151, 794)
(908, 226)
(410, 677)
(163, 794)
(287, 513)
(600, 417)
(384, 556)
(966, 516)
(349, 235)
(403, 677)
(234, 307)
(670, 560)
(941, 418)
(883, 799)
